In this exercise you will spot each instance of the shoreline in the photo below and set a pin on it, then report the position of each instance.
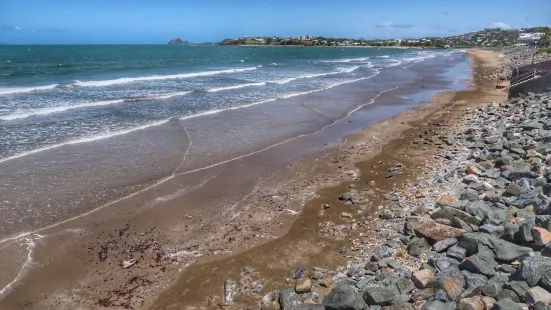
(347, 46)
(285, 214)
(304, 233)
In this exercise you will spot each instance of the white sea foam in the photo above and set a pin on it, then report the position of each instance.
(29, 262)
(112, 134)
(236, 86)
(347, 70)
(162, 77)
(170, 95)
(284, 81)
(395, 63)
(346, 60)
(309, 76)
(49, 110)
(422, 57)
(85, 140)
(14, 90)
(63, 108)
(383, 56)
(339, 70)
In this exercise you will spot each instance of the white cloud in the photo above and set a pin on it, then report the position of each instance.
(501, 25)
(17, 28)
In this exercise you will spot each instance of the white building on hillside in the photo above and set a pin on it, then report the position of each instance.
(530, 38)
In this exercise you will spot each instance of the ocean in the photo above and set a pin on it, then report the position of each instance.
(54, 95)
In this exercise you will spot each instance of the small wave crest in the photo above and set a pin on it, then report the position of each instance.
(346, 60)
(160, 122)
(14, 90)
(284, 81)
(63, 108)
(309, 76)
(213, 90)
(49, 110)
(347, 70)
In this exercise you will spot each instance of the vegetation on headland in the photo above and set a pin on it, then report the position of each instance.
(487, 37)
(178, 41)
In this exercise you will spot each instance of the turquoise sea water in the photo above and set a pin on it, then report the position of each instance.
(53, 95)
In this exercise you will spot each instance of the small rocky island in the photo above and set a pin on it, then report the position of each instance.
(178, 41)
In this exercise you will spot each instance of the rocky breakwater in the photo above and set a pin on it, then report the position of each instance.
(516, 56)
(482, 240)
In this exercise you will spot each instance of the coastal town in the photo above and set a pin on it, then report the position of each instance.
(492, 37)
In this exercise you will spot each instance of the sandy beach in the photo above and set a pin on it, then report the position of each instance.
(370, 152)
(144, 251)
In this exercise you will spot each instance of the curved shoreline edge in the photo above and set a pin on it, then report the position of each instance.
(368, 152)
(292, 211)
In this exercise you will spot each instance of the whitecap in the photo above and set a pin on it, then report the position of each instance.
(235, 86)
(13, 90)
(63, 108)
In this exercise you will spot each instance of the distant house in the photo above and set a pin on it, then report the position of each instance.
(530, 38)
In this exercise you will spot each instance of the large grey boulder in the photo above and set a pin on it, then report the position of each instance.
(506, 304)
(443, 245)
(525, 199)
(492, 288)
(480, 263)
(456, 252)
(494, 230)
(405, 286)
(479, 209)
(503, 250)
(343, 297)
(418, 246)
(532, 269)
(524, 234)
(519, 287)
(442, 262)
(507, 293)
(496, 217)
(473, 283)
(450, 214)
(378, 295)
(289, 300)
(381, 252)
(439, 305)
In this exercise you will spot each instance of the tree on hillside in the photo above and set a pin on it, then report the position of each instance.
(546, 40)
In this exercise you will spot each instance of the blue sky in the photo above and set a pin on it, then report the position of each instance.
(157, 21)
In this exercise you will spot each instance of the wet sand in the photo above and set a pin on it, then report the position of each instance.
(372, 152)
(77, 264)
